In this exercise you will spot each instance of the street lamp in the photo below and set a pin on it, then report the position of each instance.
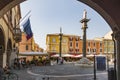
(94, 67)
(17, 34)
(107, 56)
(60, 46)
(113, 38)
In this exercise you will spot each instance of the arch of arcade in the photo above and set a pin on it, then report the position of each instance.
(108, 9)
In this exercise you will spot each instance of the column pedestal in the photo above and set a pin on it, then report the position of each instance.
(84, 62)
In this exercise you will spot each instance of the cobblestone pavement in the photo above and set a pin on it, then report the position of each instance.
(60, 72)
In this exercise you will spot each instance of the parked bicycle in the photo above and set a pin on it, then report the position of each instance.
(10, 76)
(7, 74)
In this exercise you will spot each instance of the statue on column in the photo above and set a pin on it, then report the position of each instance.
(84, 21)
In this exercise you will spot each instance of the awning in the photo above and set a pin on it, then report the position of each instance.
(63, 55)
(32, 54)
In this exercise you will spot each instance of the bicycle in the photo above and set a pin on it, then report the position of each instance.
(10, 76)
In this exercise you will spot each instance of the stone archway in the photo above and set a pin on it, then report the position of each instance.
(2, 46)
(108, 9)
(9, 50)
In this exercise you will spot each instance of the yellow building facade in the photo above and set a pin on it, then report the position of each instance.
(53, 44)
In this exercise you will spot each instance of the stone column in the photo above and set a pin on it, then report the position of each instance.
(84, 27)
(117, 41)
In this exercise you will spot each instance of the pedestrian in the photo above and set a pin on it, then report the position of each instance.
(15, 63)
(57, 60)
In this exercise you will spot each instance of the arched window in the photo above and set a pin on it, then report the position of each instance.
(26, 47)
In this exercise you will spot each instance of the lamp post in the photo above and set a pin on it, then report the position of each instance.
(17, 34)
(113, 38)
(94, 67)
(60, 45)
(107, 57)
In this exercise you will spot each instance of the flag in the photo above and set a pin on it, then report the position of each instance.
(27, 29)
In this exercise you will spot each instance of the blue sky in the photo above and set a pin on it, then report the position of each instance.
(47, 16)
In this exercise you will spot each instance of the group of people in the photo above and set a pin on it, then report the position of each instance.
(19, 62)
(60, 60)
(24, 63)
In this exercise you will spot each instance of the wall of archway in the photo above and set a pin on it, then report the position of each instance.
(2, 44)
(6, 5)
(99, 7)
(9, 50)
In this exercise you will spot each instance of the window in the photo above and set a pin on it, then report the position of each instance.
(53, 40)
(87, 50)
(100, 50)
(88, 44)
(95, 50)
(94, 44)
(26, 47)
(70, 44)
(76, 44)
(53, 48)
(100, 44)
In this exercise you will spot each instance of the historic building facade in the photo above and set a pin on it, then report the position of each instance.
(73, 44)
(28, 45)
(108, 45)
(10, 35)
(94, 47)
(53, 44)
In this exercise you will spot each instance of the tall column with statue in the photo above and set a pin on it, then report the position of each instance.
(84, 22)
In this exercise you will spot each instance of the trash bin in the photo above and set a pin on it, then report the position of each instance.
(111, 75)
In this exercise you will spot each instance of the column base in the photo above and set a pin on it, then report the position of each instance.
(84, 62)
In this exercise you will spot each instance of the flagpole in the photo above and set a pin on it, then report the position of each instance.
(23, 18)
(16, 27)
